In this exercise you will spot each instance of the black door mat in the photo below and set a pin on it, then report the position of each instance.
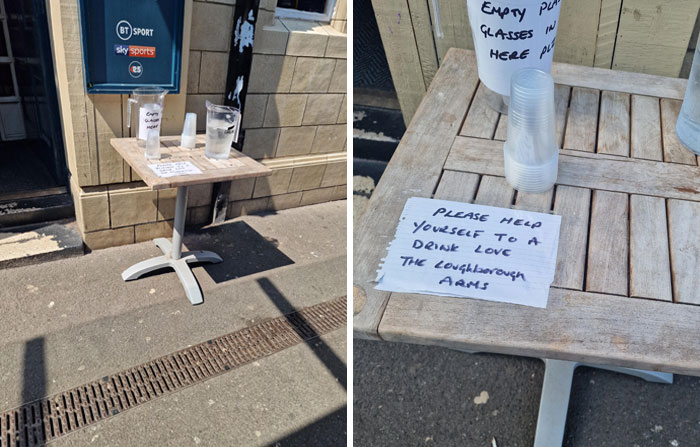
(35, 210)
(370, 67)
(23, 167)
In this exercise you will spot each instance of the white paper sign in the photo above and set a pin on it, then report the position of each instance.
(174, 169)
(460, 249)
(149, 118)
(510, 35)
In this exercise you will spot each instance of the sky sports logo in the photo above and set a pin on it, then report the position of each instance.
(134, 51)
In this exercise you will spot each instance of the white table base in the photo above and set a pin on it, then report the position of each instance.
(556, 390)
(173, 257)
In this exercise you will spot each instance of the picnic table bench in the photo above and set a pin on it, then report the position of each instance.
(626, 291)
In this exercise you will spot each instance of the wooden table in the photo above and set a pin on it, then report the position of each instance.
(237, 166)
(627, 285)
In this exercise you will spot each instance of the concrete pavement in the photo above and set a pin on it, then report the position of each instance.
(68, 322)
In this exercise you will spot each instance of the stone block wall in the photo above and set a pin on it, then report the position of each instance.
(294, 121)
(295, 113)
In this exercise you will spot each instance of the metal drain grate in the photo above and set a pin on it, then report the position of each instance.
(36, 423)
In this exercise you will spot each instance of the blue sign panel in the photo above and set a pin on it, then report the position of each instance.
(131, 43)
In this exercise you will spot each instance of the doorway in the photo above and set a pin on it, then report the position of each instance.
(32, 157)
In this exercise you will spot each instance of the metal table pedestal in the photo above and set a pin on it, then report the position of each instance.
(173, 257)
(556, 389)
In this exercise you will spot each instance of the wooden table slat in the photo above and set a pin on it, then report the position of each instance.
(683, 226)
(237, 166)
(618, 81)
(494, 191)
(562, 95)
(414, 171)
(457, 186)
(502, 128)
(540, 203)
(594, 171)
(645, 130)
(575, 326)
(573, 205)
(582, 122)
(614, 127)
(674, 151)
(650, 265)
(481, 119)
(608, 244)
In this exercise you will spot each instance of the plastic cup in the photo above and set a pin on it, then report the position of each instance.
(530, 152)
(189, 131)
(153, 145)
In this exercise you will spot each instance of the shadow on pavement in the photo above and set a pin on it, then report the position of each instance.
(33, 377)
(325, 354)
(331, 430)
(244, 251)
(34, 371)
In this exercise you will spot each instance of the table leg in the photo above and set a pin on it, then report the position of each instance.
(149, 265)
(173, 257)
(179, 224)
(556, 390)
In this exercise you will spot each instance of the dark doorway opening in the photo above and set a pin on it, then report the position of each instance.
(32, 157)
(318, 6)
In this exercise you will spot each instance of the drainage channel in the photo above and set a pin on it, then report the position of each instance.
(39, 422)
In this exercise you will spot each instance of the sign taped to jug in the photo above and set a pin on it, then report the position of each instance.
(465, 250)
(510, 35)
(149, 119)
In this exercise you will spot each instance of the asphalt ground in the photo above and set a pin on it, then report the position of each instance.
(411, 395)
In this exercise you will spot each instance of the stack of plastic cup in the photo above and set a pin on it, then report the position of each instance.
(530, 152)
(189, 131)
(153, 144)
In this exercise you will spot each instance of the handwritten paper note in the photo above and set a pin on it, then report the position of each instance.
(174, 169)
(460, 249)
(510, 35)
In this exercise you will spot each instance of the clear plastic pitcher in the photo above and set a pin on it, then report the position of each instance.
(223, 124)
(149, 103)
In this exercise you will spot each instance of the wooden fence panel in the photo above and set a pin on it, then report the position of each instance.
(653, 35)
(577, 32)
(399, 40)
(607, 33)
(420, 17)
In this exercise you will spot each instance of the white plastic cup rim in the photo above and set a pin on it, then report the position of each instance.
(531, 178)
(187, 141)
(530, 85)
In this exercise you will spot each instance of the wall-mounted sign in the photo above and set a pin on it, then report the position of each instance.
(131, 43)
